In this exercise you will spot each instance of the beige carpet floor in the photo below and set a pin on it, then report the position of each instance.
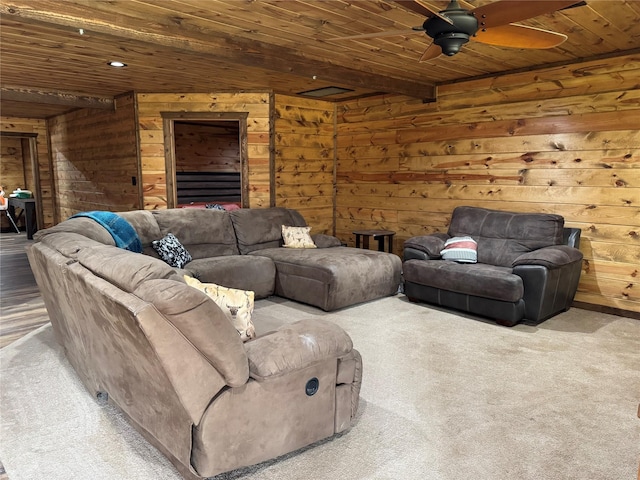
(444, 397)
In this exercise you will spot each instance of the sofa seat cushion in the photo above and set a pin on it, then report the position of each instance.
(332, 278)
(478, 279)
(236, 271)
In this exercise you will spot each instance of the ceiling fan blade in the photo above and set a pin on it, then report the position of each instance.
(432, 51)
(388, 33)
(579, 4)
(466, 5)
(504, 12)
(519, 36)
(424, 9)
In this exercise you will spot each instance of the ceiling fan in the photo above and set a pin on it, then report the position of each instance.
(492, 23)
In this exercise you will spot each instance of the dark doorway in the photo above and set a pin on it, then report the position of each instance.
(206, 158)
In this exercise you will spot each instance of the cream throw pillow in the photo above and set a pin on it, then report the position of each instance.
(297, 237)
(236, 304)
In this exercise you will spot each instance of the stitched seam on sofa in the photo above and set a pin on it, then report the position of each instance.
(486, 214)
(506, 228)
(556, 289)
(556, 226)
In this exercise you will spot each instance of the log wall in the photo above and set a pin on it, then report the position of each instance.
(207, 148)
(9, 173)
(152, 157)
(305, 159)
(564, 140)
(95, 159)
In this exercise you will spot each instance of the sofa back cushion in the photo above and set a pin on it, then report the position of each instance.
(503, 236)
(203, 232)
(260, 228)
(126, 270)
(69, 243)
(84, 226)
(145, 224)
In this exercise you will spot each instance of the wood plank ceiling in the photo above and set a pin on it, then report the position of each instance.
(53, 54)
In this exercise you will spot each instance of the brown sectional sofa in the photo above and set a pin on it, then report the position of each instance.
(167, 355)
(243, 249)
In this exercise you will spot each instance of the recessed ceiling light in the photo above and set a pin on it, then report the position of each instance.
(117, 64)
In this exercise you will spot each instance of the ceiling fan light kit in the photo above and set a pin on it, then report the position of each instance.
(451, 36)
(450, 43)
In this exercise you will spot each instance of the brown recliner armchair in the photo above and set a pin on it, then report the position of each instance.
(527, 269)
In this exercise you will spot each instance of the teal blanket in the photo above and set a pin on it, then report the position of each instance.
(122, 231)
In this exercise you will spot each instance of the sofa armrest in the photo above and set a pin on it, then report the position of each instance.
(548, 291)
(424, 247)
(325, 241)
(551, 257)
(296, 346)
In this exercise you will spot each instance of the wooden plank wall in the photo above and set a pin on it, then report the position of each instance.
(150, 128)
(39, 127)
(207, 148)
(564, 140)
(304, 160)
(94, 156)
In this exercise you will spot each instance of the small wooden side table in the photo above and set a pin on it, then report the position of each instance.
(378, 235)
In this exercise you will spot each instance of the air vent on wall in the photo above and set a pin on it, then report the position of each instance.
(325, 92)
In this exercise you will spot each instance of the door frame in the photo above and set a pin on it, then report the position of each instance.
(35, 169)
(169, 119)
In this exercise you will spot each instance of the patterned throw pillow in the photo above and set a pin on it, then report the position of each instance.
(172, 251)
(297, 237)
(460, 249)
(214, 206)
(236, 304)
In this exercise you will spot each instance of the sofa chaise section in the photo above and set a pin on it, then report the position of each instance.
(328, 278)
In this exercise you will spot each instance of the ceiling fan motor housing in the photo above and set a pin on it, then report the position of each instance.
(451, 37)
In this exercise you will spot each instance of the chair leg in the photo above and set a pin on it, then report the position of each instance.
(12, 221)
